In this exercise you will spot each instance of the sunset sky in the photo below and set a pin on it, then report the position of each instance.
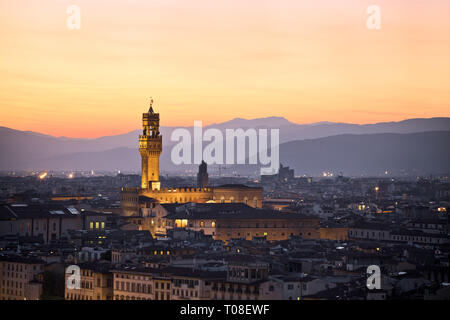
(214, 60)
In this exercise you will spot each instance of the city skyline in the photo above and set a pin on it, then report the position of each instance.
(233, 153)
(309, 62)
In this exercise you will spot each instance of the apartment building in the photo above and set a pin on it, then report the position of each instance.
(134, 284)
(95, 282)
(19, 278)
(193, 284)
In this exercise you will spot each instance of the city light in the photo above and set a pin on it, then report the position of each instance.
(43, 175)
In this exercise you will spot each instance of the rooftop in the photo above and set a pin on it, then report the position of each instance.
(225, 211)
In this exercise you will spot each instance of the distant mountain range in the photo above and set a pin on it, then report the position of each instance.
(420, 153)
(420, 145)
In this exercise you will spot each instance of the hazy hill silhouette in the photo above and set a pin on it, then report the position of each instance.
(421, 153)
(30, 150)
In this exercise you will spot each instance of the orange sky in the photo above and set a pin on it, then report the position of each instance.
(217, 60)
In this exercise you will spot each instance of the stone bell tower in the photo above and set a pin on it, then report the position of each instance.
(150, 148)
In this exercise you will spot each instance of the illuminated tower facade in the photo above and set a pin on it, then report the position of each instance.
(150, 148)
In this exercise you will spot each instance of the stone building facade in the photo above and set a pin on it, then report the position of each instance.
(96, 283)
(48, 222)
(19, 278)
(236, 221)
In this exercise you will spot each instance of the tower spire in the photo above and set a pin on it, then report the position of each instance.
(150, 110)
